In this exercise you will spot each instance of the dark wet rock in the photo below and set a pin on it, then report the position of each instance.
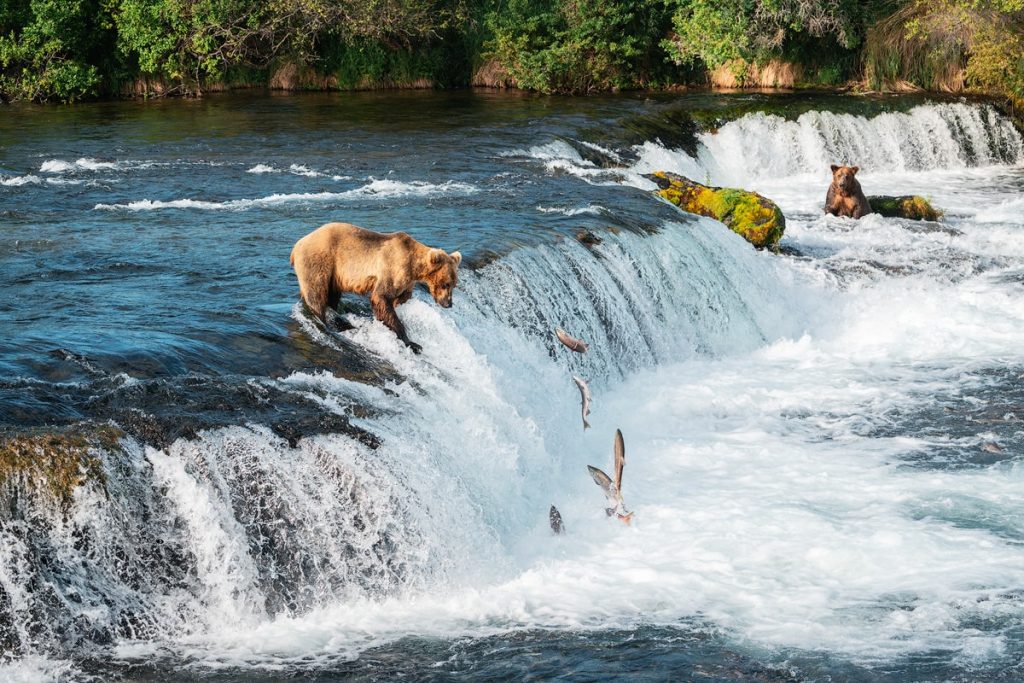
(674, 128)
(587, 238)
(159, 412)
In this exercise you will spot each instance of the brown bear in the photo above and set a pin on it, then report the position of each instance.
(845, 198)
(339, 258)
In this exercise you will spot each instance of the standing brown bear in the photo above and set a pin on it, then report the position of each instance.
(340, 258)
(845, 198)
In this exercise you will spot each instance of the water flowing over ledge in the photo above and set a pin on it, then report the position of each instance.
(805, 433)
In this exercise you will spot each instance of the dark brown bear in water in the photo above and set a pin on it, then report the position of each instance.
(340, 258)
(845, 198)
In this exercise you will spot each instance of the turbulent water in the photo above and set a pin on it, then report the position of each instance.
(823, 446)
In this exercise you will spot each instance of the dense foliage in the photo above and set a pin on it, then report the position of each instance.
(67, 50)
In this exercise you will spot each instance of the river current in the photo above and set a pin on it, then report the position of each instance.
(823, 446)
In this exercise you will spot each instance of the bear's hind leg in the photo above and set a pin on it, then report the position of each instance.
(333, 299)
(314, 288)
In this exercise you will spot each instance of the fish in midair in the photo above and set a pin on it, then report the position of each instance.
(585, 398)
(555, 518)
(613, 489)
(572, 343)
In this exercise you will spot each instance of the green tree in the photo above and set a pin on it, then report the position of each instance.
(48, 49)
(574, 46)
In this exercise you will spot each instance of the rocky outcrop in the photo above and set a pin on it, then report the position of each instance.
(914, 207)
(757, 219)
(50, 465)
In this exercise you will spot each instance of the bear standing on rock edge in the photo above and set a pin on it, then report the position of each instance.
(845, 197)
(340, 258)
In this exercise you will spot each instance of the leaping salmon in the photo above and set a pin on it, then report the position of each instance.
(555, 519)
(572, 343)
(584, 398)
(613, 489)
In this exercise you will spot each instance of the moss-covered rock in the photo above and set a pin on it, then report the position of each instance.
(914, 207)
(52, 464)
(755, 218)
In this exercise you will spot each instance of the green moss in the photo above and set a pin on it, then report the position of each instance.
(913, 207)
(55, 463)
(755, 218)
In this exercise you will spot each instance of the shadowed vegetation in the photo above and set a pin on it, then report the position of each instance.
(67, 50)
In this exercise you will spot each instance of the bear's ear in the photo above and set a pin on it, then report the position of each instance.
(457, 257)
(438, 257)
(855, 169)
(834, 168)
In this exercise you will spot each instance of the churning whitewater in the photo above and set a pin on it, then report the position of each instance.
(824, 445)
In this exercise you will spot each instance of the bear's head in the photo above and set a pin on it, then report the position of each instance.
(843, 178)
(443, 276)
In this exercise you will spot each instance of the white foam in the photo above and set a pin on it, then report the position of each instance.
(299, 169)
(590, 209)
(375, 189)
(18, 181)
(263, 168)
(1009, 211)
(37, 669)
(83, 164)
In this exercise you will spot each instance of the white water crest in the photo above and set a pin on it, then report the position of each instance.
(263, 168)
(591, 209)
(375, 189)
(18, 181)
(84, 164)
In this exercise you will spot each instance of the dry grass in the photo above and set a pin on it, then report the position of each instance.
(774, 73)
(923, 45)
(492, 74)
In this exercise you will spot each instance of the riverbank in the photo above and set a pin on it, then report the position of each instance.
(67, 52)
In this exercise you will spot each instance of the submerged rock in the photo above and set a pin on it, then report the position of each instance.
(913, 207)
(757, 219)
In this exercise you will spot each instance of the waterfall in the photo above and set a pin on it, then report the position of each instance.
(236, 529)
(236, 526)
(926, 138)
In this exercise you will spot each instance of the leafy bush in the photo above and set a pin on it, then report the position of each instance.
(46, 49)
(572, 46)
(68, 50)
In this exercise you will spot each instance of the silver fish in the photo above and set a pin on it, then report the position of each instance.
(555, 519)
(572, 343)
(613, 489)
(992, 447)
(585, 398)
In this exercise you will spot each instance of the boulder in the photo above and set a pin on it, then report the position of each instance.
(914, 207)
(757, 219)
(50, 464)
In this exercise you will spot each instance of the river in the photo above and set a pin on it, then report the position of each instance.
(823, 445)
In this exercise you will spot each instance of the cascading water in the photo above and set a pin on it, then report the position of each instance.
(797, 498)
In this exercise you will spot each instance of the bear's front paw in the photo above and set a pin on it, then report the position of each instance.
(416, 348)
